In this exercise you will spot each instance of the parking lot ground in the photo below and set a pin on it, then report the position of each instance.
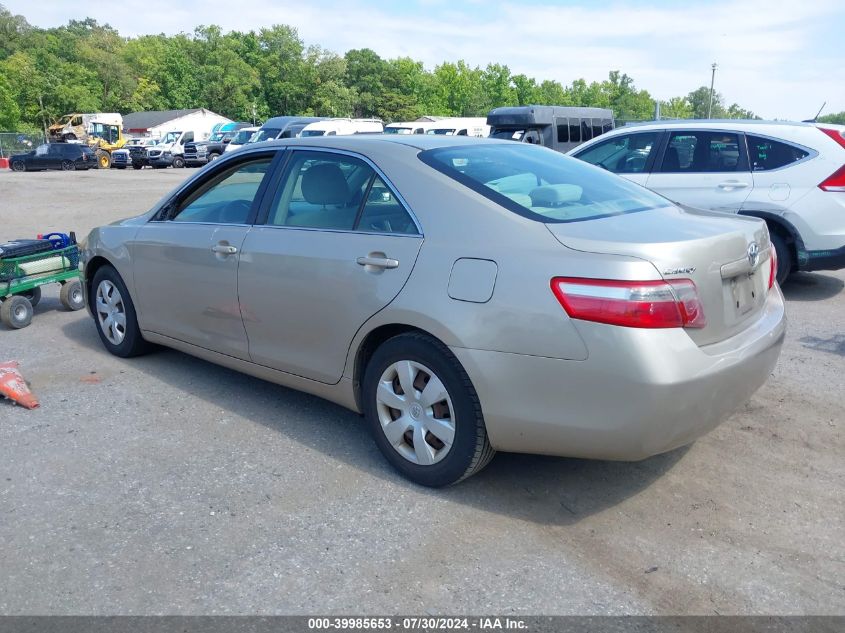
(165, 484)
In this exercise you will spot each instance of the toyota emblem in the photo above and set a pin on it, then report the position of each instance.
(753, 254)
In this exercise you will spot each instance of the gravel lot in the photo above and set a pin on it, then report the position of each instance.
(165, 484)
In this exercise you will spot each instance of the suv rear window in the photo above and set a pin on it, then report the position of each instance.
(539, 183)
(765, 154)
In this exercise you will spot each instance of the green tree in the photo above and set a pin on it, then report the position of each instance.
(676, 108)
(837, 117)
(10, 113)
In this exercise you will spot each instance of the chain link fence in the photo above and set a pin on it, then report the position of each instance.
(12, 143)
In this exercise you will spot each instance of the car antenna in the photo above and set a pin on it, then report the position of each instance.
(815, 118)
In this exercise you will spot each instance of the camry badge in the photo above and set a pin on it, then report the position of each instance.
(753, 254)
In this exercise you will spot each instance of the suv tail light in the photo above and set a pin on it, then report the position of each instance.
(835, 182)
(836, 135)
(773, 266)
(642, 304)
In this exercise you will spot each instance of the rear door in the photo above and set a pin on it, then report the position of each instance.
(186, 260)
(706, 169)
(336, 246)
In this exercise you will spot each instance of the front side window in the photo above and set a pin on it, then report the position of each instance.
(626, 154)
(539, 183)
(228, 197)
(42, 150)
(701, 152)
(765, 154)
(337, 192)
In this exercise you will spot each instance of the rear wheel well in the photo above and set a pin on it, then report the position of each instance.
(786, 232)
(368, 347)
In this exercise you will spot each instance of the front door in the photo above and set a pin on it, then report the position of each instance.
(336, 247)
(186, 260)
(704, 169)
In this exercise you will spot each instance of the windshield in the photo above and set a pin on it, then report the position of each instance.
(171, 137)
(539, 183)
(217, 136)
(313, 133)
(509, 135)
(265, 135)
(242, 137)
(398, 130)
(443, 131)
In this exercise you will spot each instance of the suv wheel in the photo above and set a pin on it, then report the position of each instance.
(67, 165)
(784, 254)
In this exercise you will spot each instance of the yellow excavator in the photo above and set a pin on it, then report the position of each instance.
(101, 131)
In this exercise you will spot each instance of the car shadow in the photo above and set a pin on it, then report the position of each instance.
(540, 489)
(811, 287)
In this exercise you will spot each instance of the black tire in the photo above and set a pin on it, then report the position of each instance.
(16, 312)
(784, 254)
(33, 296)
(133, 344)
(67, 165)
(178, 162)
(213, 156)
(72, 296)
(137, 166)
(18, 165)
(471, 450)
(103, 160)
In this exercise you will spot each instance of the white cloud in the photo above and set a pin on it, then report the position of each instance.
(780, 59)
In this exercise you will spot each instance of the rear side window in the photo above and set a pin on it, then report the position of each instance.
(701, 152)
(539, 183)
(765, 154)
(337, 192)
(626, 154)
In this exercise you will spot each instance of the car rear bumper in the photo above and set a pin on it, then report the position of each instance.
(824, 260)
(639, 393)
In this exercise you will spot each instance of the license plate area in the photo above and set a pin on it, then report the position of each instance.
(743, 294)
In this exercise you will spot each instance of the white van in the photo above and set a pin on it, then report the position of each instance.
(342, 127)
(410, 127)
(240, 139)
(461, 126)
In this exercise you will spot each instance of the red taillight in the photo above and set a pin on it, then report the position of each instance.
(835, 182)
(642, 304)
(836, 135)
(773, 266)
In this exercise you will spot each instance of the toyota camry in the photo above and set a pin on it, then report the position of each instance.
(465, 295)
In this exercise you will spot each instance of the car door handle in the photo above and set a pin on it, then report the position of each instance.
(224, 249)
(378, 262)
(732, 184)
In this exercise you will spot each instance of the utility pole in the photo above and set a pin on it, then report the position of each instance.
(712, 81)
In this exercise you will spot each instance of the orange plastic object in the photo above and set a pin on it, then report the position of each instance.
(14, 387)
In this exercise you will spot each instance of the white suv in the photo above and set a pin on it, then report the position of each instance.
(792, 175)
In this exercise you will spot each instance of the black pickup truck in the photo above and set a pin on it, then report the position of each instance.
(202, 152)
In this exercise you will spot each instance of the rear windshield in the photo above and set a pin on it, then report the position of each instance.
(539, 183)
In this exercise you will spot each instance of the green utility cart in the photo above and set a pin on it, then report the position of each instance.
(21, 279)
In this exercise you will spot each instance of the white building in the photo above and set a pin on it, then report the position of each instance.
(157, 123)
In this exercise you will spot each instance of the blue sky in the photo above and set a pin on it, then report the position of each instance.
(779, 59)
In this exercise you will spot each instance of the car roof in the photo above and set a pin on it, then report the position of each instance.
(705, 123)
(361, 142)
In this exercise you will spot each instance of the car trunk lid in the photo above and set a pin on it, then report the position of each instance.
(714, 250)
